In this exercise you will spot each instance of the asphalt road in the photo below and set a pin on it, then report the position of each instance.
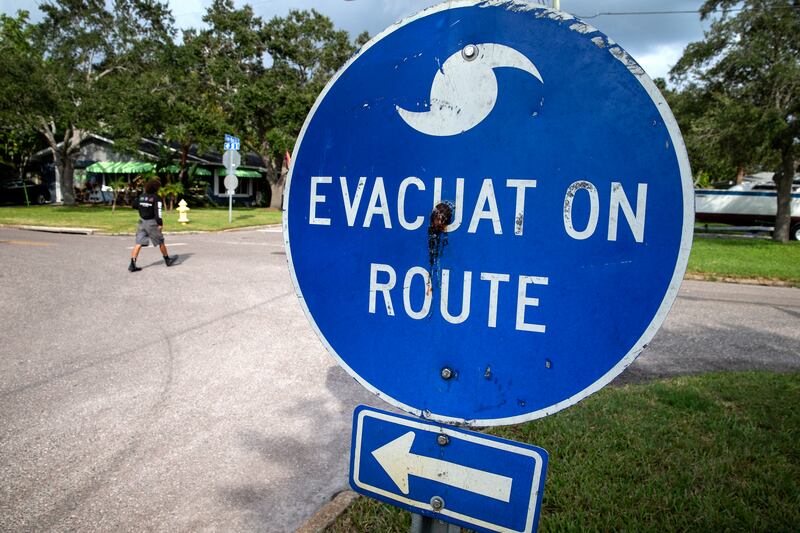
(198, 398)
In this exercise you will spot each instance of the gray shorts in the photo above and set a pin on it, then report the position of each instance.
(147, 231)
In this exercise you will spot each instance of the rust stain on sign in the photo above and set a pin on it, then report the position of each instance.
(441, 216)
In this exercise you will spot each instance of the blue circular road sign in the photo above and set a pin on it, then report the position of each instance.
(489, 212)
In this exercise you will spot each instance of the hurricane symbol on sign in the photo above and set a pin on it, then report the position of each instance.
(464, 90)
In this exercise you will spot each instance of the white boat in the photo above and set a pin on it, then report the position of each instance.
(753, 203)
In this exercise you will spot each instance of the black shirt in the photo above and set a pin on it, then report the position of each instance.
(149, 206)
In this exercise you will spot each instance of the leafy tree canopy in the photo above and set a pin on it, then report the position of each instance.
(118, 68)
(745, 80)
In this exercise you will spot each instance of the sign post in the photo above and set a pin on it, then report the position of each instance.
(231, 160)
(487, 226)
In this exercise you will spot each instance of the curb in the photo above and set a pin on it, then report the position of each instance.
(191, 232)
(742, 281)
(329, 512)
(50, 229)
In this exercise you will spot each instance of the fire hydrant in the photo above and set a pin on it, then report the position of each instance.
(183, 210)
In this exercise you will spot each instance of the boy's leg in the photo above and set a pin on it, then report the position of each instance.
(141, 238)
(158, 238)
(134, 254)
(167, 259)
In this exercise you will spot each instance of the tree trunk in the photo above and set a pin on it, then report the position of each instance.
(740, 175)
(62, 158)
(278, 186)
(275, 178)
(277, 194)
(72, 147)
(67, 182)
(182, 175)
(48, 132)
(783, 181)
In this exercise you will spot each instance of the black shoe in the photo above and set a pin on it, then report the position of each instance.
(170, 260)
(133, 268)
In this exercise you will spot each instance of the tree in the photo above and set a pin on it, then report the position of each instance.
(190, 110)
(143, 39)
(267, 104)
(170, 192)
(19, 63)
(748, 66)
(83, 47)
(226, 56)
(118, 71)
(306, 50)
(717, 145)
(17, 146)
(183, 98)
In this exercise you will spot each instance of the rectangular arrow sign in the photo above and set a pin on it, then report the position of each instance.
(474, 480)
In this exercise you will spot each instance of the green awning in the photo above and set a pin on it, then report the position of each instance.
(175, 169)
(113, 167)
(243, 173)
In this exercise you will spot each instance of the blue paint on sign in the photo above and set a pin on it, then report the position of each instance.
(485, 483)
(568, 192)
(231, 142)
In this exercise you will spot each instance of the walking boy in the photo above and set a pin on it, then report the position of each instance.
(149, 205)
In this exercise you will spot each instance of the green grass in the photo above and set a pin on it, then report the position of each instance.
(718, 452)
(124, 219)
(746, 258)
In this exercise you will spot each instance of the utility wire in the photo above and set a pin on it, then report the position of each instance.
(628, 13)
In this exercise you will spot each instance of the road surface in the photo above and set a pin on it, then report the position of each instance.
(198, 398)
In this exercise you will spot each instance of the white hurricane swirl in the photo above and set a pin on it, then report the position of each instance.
(464, 92)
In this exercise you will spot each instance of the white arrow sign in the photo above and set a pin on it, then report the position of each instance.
(399, 463)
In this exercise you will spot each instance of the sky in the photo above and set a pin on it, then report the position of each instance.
(656, 41)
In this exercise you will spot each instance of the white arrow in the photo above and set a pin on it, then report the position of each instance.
(398, 461)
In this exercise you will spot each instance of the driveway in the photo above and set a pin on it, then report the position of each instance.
(197, 397)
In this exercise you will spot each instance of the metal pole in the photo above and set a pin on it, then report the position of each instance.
(230, 206)
(423, 524)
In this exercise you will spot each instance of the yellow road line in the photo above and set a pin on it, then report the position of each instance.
(28, 243)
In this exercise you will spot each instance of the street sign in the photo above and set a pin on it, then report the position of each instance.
(231, 160)
(489, 212)
(231, 142)
(231, 182)
(466, 478)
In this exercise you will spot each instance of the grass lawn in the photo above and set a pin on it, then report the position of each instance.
(746, 258)
(124, 218)
(718, 452)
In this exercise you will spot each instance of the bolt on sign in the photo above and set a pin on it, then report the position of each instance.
(489, 213)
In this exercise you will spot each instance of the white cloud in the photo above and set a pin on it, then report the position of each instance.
(188, 13)
(659, 59)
